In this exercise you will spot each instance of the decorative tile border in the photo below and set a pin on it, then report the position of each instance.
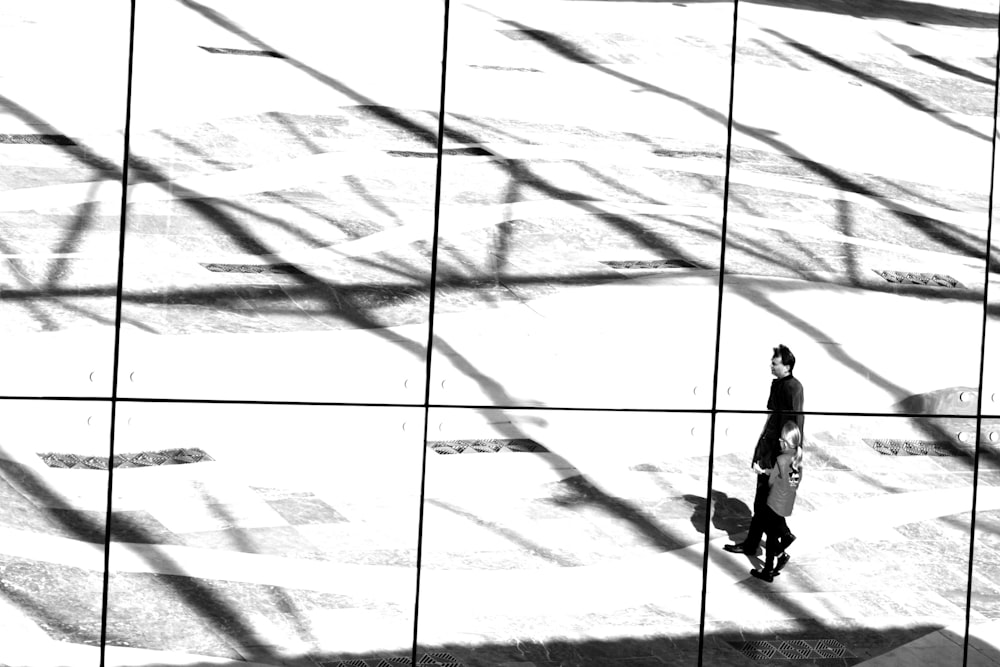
(485, 446)
(473, 151)
(136, 460)
(909, 278)
(639, 264)
(796, 649)
(504, 68)
(254, 268)
(244, 52)
(46, 139)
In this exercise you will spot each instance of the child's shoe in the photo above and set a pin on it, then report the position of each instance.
(782, 562)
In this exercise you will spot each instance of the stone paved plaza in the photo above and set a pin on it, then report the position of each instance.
(371, 352)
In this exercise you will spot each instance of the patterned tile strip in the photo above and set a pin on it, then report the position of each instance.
(506, 69)
(910, 278)
(254, 268)
(474, 151)
(136, 460)
(47, 139)
(671, 263)
(485, 446)
(912, 447)
(244, 52)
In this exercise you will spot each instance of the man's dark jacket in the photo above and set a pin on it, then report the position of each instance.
(786, 396)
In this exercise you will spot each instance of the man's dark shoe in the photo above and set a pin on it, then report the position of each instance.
(738, 548)
(782, 562)
(764, 575)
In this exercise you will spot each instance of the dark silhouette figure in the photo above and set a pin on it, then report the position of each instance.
(730, 514)
(784, 404)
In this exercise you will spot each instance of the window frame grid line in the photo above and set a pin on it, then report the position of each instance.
(496, 406)
(430, 325)
(718, 339)
(126, 149)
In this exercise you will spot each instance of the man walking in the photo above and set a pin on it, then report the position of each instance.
(785, 398)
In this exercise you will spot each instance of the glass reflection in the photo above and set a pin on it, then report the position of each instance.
(53, 481)
(581, 204)
(60, 193)
(276, 535)
(278, 245)
(547, 535)
(858, 206)
(882, 527)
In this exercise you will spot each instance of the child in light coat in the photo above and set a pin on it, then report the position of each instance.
(784, 481)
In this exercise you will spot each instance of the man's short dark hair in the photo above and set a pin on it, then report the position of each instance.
(787, 358)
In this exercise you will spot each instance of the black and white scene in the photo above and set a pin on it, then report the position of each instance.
(499, 333)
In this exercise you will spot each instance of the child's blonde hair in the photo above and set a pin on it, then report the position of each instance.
(792, 436)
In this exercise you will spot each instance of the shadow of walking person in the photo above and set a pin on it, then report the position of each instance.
(729, 514)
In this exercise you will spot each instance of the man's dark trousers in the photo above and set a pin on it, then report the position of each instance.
(756, 531)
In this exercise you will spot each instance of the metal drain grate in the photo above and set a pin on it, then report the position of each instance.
(638, 264)
(428, 660)
(138, 460)
(485, 446)
(796, 649)
(289, 269)
(244, 52)
(47, 139)
(888, 447)
(520, 35)
(909, 278)
(506, 69)
(473, 151)
(440, 660)
(668, 152)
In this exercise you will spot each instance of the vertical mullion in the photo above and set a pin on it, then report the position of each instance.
(118, 319)
(982, 361)
(432, 292)
(718, 340)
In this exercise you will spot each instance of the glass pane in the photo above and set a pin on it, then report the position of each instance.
(556, 536)
(288, 535)
(985, 602)
(859, 207)
(581, 203)
(880, 560)
(61, 145)
(278, 239)
(54, 489)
